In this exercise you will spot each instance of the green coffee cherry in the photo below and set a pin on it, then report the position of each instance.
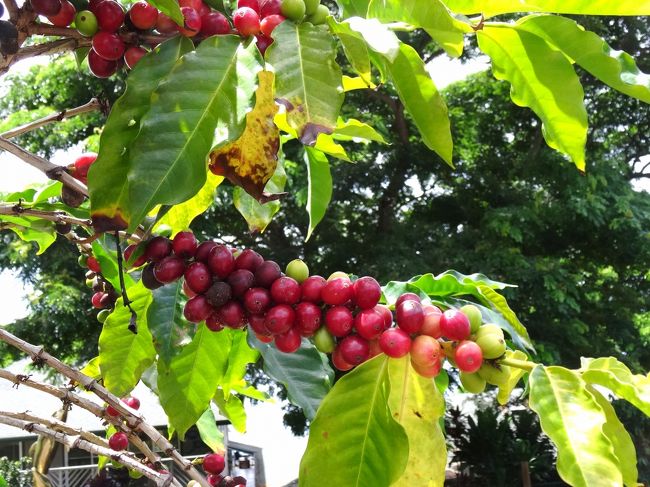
(489, 329)
(83, 261)
(492, 345)
(320, 15)
(311, 6)
(293, 9)
(86, 23)
(474, 316)
(298, 270)
(497, 376)
(473, 383)
(324, 340)
(102, 315)
(336, 274)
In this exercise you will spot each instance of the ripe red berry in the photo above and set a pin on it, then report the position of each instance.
(269, 23)
(256, 322)
(197, 5)
(119, 441)
(409, 316)
(203, 251)
(279, 319)
(468, 356)
(257, 300)
(198, 277)
(337, 291)
(369, 323)
(109, 46)
(232, 314)
(270, 7)
(246, 21)
(197, 309)
(427, 371)
(97, 300)
(339, 362)
(47, 8)
(214, 480)
(387, 314)
(263, 42)
(431, 325)
(93, 264)
(308, 318)
(184, 244)
(214, 24)
(254, 4)
(288, 342)
(187, 290)
(374, 347)
(311, 289)
(100, 67)
(395, 342)
(192, 22)
(165, 25)
(241, 281)
(339, 321)
(65, 16)
(367, 292)
(128, 252)
(214, 321)
(82, 165)
(169, 269)
(248, 259)
(354, 349)
(133, 55)
(454, 325)
(214, 463)
(407, 297)
(285, 290)
(267, 273)
(221, 262)
(132, 402)
(158, 248)
(110, 15)
(143, 16)
(425, 351)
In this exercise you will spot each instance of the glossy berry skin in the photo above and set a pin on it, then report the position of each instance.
(192, 22)
(132, 402)
(293, 9)
(143, 16)
(119, 441)
(270, 7)
(184, 244)
(158, 248)
(128, 252)
(165, 25)
(100, 67)
(288, 342)
(285, 291)
(308, 318)
(241, 280)
(429, 371)
(97, 300)
(214, 463)
(187, 290)
(369, 324)
(409, 316)
(454, 325)
(203, 251)
(197, 5)
(267, 273)
(337, 291)
(170, 269)
(257, 300)
(339, 321)
(431, 324)
(214, 322)
(256, 322)
(197, 309)
(386, 313)
(93, 264)
(47, 8)
(110, 15)
(133, 55)
(254, 4)
(221, 262)
(354, 349)
(395, 342)
(198, 277)
(280, 319)
(297, 269)
(86, 23)
(319, 16)
(425, 350)
(246, 21)
(262, 42)
(468, 356)
(214, 24)
(232, 315)
(65, 16)
(149, 279)
(367, 292)
(339, 362)
(108, 46)
(311, 289)
(248, 259)
(407, 297)
(82, 164)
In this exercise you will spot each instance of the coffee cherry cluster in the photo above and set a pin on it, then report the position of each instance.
(104, 294)
(214, 464)
(120, 441)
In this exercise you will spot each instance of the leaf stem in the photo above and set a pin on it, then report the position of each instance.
(518, 364)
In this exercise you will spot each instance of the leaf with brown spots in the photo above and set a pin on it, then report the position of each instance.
(250, 161)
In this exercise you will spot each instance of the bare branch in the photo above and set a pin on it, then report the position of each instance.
(12, 8)
(54, 216)
(49, 48)
(77, 442)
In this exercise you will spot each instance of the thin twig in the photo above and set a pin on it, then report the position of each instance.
(53, 216)
(77, 442)
(12, 8)
(91, 106)
(133, 419)
(49, 48)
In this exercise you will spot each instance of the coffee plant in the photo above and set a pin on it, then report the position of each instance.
(213, 92)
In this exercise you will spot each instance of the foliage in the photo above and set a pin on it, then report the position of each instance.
(15, 473)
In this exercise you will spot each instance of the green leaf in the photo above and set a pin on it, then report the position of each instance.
(107, 177)
(209, 432)
(80, 55)
(354, 440)
(432, 16)
(574, 421)
(211, 87)
(505, 390)
(188, 383)
(553, 92)
(490, 8)
(356, 131)
(124, 355)
(306, 373)
(422, 100)
(30, 229)
(620, 438)
(232, 408)
(257, 215)
(355, 49)
(307, 78)
(91, 369)
(351, 8)
(615, 376)
(499, 304)
(170, 8)
(107, 258)
(319, 187)
(179, 217)
(417, 405)
(615, 68)
(166, 323)
(241, 354)
(376, 35)
(356, 83)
